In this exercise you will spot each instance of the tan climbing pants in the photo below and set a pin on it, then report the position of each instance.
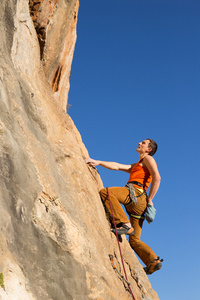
(118, 196)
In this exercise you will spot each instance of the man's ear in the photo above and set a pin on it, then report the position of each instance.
(149, 150)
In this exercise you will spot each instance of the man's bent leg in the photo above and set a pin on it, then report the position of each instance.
(117, 195)
(145, 253)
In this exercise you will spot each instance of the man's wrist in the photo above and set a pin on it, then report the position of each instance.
(149, 200)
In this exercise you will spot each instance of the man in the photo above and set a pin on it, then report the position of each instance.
(133, 196)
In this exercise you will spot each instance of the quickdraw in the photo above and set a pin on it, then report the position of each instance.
(115, 268)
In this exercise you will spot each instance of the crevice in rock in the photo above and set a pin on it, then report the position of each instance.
(34, 8)
(41, 17)
(56, 80)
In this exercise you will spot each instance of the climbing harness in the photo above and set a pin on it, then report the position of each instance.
(137, 183)
(119, 245)
(132, 193)
(142, 217)
(150, 211)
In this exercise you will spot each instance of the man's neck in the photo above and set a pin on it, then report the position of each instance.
(142, 155)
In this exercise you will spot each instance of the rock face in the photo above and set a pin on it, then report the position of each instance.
(55, 240)
(55, 24)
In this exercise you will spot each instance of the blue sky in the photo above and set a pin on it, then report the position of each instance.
(136, 75)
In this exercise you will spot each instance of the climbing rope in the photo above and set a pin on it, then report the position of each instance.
(119, 246)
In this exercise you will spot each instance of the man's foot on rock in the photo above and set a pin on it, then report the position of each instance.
(154, 265)
(124, 229)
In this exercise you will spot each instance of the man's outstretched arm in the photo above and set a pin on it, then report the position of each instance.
(109, 165)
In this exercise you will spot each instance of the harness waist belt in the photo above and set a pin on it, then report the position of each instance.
(137, 183)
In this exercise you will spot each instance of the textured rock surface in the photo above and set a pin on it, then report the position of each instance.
(55, 23)
(49, 201)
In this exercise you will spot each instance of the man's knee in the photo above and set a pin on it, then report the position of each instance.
(134, 242)
(103, 193)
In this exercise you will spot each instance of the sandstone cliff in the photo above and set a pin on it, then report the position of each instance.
(49, 249)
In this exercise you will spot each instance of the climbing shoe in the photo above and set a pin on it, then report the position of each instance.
(154, 265)
(124, 229)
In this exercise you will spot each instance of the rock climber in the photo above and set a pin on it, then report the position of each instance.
(134, 197)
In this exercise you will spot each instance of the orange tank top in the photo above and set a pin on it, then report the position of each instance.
(141, 175)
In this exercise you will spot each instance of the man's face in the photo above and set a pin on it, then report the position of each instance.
(143, 147)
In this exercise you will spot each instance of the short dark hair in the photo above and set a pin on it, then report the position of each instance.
(153, 145)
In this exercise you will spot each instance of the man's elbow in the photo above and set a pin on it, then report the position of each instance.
(156, 179)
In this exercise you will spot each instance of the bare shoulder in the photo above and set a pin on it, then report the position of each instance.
(151, 165)
(149, 161)
(149, 158)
